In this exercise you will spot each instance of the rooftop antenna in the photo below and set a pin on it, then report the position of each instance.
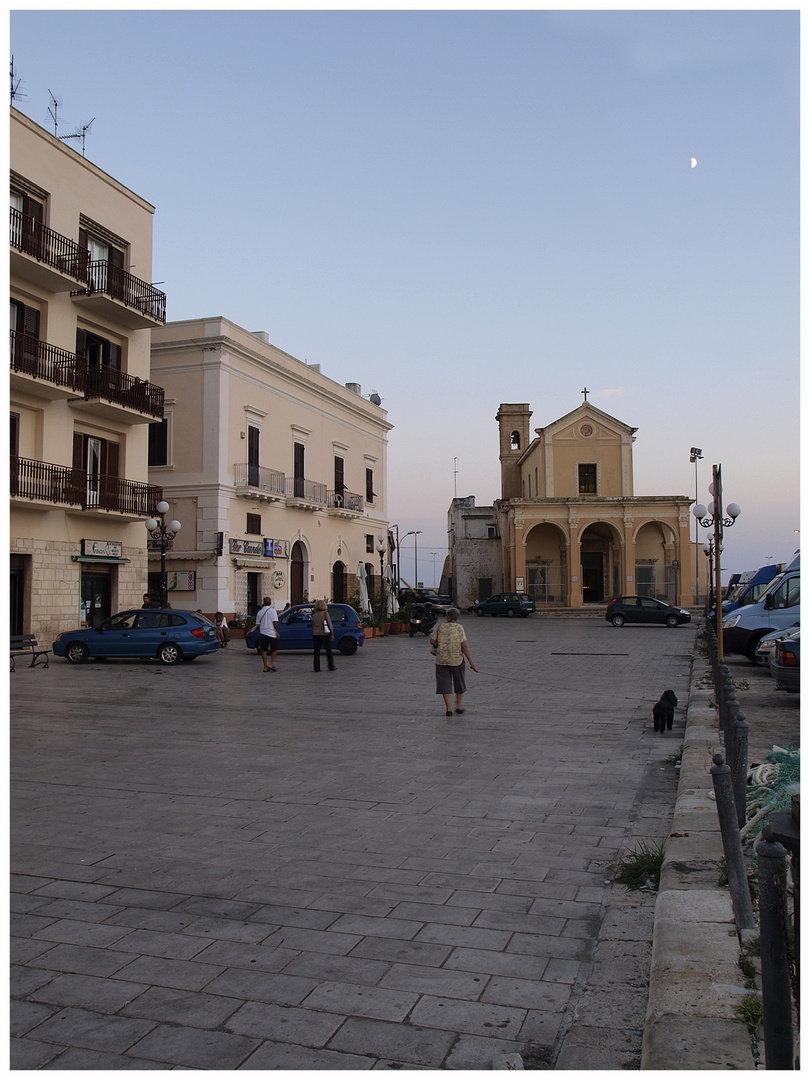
(80, 134)
(53, 111)
(15, 85)
(455, 477)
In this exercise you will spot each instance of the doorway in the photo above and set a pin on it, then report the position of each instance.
(96, 595)
(297, 591)
(593, 577)
(339, 582)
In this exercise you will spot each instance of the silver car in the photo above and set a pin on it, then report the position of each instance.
(767, 643)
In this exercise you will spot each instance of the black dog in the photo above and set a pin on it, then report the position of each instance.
(664, 711)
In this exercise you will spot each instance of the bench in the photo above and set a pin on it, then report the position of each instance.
(27, 644)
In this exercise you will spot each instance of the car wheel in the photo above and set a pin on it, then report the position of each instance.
(170, 653)
(751, 648)
(411, 631)
(618, 620)
(77, 652)
(671, 620)
(510, 614)
(348, 646)
(479, 613)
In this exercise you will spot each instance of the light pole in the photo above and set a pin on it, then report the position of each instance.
(695, 454)
(716, 520)
(414, 534)
(163, 535)
(434, 554)
(381, 553)
(416, 560)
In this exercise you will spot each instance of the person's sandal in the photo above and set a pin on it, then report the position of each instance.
(459, 711)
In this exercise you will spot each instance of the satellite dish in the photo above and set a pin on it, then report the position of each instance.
(375, 399)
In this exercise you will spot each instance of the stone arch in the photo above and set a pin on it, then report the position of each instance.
(546, 550)
(655, 544)
(599, 560)
(299, 571)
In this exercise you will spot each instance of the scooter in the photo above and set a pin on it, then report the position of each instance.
(423, 619)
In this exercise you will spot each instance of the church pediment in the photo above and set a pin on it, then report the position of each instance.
(586, 423)
(586, 431)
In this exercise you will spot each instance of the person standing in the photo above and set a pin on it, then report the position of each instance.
(322, 632)
(148, 602)
(450, 646)
(267, 622)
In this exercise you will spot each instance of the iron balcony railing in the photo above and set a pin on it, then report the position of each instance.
(126, 390)
(114, 281)
(257, 476)
(345, 500)
(42, 481)
(299, 488)
(30, 356)
(46, 246)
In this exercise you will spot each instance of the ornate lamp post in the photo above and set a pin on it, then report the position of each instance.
(163, 535)
(695, 454)
(708, 551)
(381, 553)
(718, 522)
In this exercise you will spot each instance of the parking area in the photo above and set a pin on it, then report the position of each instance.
(215, 868)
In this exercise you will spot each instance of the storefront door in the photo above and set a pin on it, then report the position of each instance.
(95, 596)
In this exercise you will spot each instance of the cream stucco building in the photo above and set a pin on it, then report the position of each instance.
(276, 473)
(80, 396)
(572, 530)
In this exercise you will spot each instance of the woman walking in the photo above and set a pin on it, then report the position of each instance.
(450, 646)
(321, 635)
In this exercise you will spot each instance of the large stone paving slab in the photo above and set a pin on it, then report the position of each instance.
(217, 870)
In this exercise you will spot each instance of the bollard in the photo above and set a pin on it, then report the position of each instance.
(739, 772)
(732, 845)
(777, 1002)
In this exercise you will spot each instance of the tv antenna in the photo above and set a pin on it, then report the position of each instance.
(80, 134)
(53, 111)
(15, 85)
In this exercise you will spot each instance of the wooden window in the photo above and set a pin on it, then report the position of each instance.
(254, 524)
(370, 486)
(98, 351)
(298, 469)
(340, 486)
(159, 442)
(587, 479)
(370, 542)
(253, 455)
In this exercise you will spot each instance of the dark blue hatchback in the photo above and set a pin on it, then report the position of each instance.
(167, 636)
(295, 627)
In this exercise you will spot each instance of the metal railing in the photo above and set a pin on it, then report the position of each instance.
(345, 500)
(31, 356)
(310, 491)
(61, 484)
(126, 390)
(46, 246)
(114, 281)
(257, 476)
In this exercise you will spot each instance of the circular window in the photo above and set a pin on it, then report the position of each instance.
(586, 431)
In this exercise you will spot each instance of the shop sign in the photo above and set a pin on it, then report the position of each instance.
(181, 580)
(102, 549)
(277, 549)
(246, 547)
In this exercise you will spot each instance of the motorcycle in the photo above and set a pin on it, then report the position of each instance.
(423, 619)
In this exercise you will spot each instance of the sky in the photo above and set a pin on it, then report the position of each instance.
(458, 208)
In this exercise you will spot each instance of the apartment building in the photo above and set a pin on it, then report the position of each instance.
(276, 473)
(80, 396)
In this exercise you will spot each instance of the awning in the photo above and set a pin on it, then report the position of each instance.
(98, 559)
(187, 556)
(246, 562)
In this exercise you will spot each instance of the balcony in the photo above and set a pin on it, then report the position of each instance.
(117, 396)
(38, 482)
(44, 257)
(44, 370)
(258, 483)
(345, 504)
(305, 494)
(116, 294)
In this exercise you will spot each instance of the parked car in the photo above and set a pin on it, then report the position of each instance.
(777, 609)
(295, 628)
(767, 644)
(427, 597)
(645, 609)
(507, 603)
(785, 664)
(166, 635)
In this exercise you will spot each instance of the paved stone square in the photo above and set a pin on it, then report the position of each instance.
(217, 868)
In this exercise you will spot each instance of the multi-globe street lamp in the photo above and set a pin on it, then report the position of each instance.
(163, 535)
(716, 520)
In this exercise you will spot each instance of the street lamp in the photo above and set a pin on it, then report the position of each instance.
(414, 533)
(718, 522)
(163, 535)
(434, 554)
(695, 454)
(708, 551)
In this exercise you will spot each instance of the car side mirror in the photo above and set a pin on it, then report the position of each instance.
(768, 604)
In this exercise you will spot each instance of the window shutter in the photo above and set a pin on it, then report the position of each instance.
(112, 458)
(78, 451)
(81, 342)
(30, 321)
(114, 355)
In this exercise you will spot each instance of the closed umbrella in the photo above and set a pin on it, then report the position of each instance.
(365, 606)
(390, 605)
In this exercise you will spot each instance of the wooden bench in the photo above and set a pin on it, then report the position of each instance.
(27, 644)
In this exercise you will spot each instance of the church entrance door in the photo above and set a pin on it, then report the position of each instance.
(593, 577)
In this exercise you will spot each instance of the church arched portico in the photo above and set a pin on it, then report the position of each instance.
(600, 561)
(546, 552)
(657, 558)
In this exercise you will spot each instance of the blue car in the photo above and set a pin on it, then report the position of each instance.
(167, 636)
(295, 628)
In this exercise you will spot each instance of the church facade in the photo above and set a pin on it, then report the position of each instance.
(571, 530)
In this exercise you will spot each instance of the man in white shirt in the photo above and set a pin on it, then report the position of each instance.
(267, 622)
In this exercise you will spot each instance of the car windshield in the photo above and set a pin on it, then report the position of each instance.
(124, 621)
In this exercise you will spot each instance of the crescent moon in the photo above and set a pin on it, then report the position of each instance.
(694, 162)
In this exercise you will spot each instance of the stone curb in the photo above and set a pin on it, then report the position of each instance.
(695, 980)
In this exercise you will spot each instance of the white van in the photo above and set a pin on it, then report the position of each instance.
(776, 609)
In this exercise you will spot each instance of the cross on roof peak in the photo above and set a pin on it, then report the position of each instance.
(584, 392)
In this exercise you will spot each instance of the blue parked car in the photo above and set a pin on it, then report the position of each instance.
(295, 628)
(167, 636)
